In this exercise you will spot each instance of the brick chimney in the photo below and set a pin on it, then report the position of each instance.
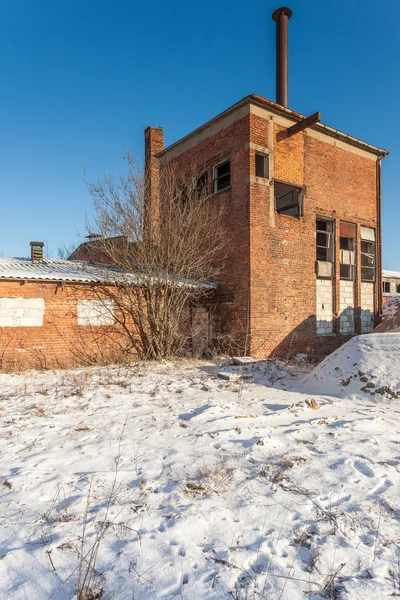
(37, 252)
(153, 143)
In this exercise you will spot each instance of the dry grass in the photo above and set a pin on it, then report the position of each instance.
(216, 478)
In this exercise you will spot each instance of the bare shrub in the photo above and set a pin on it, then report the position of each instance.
(164, 265)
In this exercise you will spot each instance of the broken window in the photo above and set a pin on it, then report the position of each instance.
(324, 240)
(222, 176)
(386, 287)
(368, 253)
(262, 165)
(289, 199)
(347, 250)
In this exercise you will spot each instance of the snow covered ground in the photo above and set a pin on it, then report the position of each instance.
(203, 489)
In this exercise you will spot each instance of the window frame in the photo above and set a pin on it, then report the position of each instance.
(265, 165)
(330, 235)
(368, 255)
(216, 177)
(385, 283)
(300, 204)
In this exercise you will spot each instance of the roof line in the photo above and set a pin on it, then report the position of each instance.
(277, 108)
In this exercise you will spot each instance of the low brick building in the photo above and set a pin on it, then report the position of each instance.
(304, 210)
(51, 315)
(391, 284)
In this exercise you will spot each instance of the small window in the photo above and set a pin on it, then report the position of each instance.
(398, 288)
(289, 199)
(324, 240)
(386, 287)
(222, 176)
(262, 165)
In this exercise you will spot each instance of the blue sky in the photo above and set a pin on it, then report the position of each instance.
(81, 79)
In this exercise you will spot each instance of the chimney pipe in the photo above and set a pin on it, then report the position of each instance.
(281, 17)
(37, 252)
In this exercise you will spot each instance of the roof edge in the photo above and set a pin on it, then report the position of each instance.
(282, 110)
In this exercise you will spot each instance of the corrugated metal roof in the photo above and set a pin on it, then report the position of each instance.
(54, 269)
(51, 269)
(391, 274)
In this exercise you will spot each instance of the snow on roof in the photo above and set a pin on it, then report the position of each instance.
(391, 274)
(54, 269)
(51, 269)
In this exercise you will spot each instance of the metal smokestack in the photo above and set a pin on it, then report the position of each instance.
(281, 17)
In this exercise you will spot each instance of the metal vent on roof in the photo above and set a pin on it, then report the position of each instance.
(37, 252)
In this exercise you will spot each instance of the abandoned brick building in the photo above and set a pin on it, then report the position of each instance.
(303, 200)
(304, 266)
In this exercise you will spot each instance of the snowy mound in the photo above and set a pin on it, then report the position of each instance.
(366, 364)
(391, 316)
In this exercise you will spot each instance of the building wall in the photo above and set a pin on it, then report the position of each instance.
(394, 286)
(39, 326)
(233, 278)
(340, 185)
(270, 273)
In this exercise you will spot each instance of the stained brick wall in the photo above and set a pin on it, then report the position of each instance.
(59, 342)
(270, 271)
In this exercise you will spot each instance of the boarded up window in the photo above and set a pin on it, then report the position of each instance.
(21, 312)
(95, 312)
(347, 230)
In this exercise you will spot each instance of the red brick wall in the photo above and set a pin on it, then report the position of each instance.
(339, 184)
(234, 276)
(60, 342)
(270, 270)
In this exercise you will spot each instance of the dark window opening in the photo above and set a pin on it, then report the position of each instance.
(222, 176)
(289, 200)
(262, 166)
(201, 186)
(367, 261)
(347, 244)
(324, 240)
(398, 288)
(347, 271)
(386, 287)
(182, 193)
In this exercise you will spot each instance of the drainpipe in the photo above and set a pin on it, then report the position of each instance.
(379, 238)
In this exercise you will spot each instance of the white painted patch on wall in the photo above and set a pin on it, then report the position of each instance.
(347, 312)
(95, 312)
(324, 307)
(21, 312)
(367, 307)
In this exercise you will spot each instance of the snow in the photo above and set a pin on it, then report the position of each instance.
(391, 274)
(222, 490)
(366, 364)
(391, 316)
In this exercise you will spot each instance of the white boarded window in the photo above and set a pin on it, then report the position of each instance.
(95, 312)
(21, 312)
